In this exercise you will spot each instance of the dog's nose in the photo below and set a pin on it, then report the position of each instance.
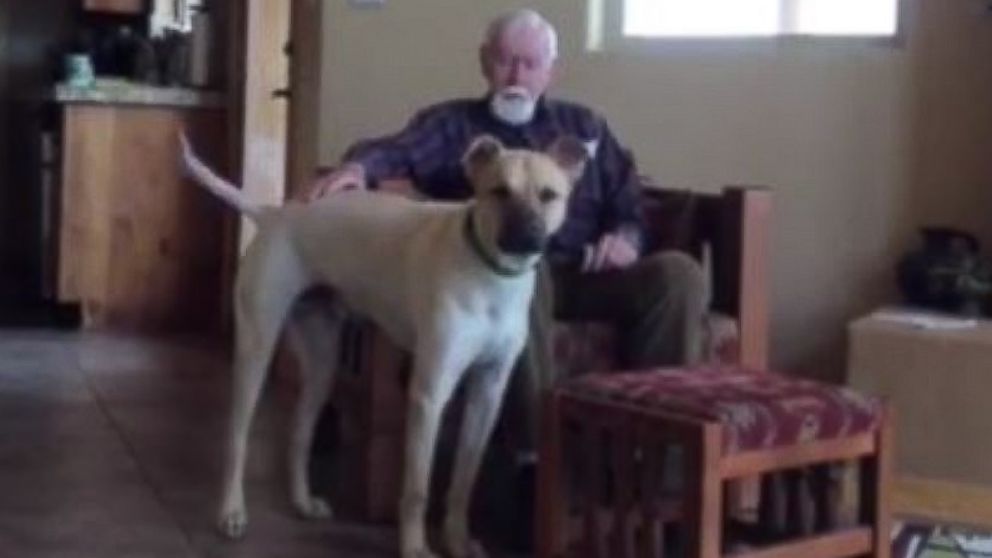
(521, 242)
(521, 234)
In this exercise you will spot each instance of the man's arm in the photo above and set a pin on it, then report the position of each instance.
(403, 155)
(622, 189)
(620, 244)
(416, 150)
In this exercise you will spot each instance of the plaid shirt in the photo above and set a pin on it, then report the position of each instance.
(428, 152)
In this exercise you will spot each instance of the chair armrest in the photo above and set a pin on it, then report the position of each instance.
(741, 268)
(730, 230)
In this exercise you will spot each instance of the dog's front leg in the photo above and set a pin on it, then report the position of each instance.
(436, 373)
(484, 399)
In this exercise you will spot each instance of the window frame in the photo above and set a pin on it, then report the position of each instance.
(605, 33)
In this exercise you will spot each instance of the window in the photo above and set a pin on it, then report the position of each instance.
(758, 18)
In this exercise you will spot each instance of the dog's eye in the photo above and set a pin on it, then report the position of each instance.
(500, 192)
(547, 195)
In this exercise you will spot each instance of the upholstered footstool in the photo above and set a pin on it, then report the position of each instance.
(617, 430)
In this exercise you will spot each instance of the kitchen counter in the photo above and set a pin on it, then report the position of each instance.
(115, 91)
(139, 248)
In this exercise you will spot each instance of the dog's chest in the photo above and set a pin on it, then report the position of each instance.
(497, 346)
(501, 326)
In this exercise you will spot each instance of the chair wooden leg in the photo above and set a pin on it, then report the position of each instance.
(551, 505)
(771, 508)
(876, 486)
(703, 494)
(799, 502)
(593, 480)
(825, 485)
(743, 498)
(623, 472)
(651, 473)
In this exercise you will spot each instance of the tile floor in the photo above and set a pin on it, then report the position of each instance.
(109, 447)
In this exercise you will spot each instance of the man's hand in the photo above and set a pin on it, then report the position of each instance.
(613, 251)
(351, 176)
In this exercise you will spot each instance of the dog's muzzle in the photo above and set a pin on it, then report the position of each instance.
(521, 232)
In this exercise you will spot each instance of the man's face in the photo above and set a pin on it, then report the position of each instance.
(519, 57)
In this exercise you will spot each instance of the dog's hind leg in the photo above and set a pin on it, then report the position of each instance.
(314, 333)
(269, 279)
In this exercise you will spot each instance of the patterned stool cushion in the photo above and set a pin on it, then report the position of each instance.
(758, 410)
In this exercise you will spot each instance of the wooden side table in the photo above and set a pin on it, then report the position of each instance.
(939, 381)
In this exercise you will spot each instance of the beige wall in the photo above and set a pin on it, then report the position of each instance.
(834, 127)
(952, 84)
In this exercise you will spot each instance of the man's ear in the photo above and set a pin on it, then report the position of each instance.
(483, 151)
(571, 154)
(484, 61)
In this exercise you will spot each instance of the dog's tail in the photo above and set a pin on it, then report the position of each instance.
(223, 189)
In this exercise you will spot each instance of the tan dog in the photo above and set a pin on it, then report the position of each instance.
(452, 283)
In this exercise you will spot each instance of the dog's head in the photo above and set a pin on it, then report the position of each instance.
(521, 196)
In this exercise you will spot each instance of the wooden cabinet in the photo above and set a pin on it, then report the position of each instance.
(139, 246)
(115, 6)
(938, 379)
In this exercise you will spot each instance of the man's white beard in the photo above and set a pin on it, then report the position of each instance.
(513, 105)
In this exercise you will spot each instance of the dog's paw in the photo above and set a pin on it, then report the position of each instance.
(419, 553)
(459, 543)
(233, 524)
(314, 508)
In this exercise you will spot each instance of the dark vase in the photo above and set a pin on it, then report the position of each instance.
(946, 273)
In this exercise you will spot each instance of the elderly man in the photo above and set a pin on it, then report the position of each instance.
(594, 271)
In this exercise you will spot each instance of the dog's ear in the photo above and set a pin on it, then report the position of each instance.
(481, 152)
(571, 154)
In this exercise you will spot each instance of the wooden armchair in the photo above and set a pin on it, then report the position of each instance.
(727, 231)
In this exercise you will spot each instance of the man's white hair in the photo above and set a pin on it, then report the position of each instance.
(527, 19)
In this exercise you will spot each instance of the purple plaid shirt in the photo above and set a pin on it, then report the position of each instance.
(428, 152)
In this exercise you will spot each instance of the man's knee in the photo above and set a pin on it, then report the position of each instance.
(677, 275)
